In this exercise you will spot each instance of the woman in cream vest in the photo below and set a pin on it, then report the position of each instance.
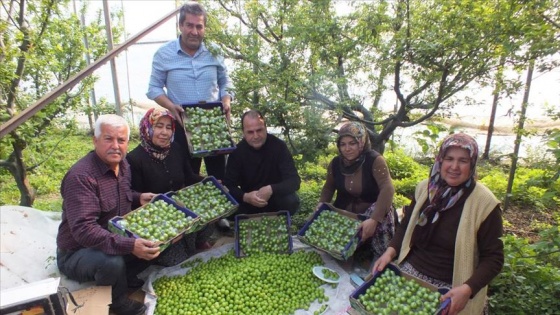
(450, 234)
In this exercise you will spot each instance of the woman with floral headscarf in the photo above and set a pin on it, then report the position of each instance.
(159, 165)
(450, 235)
(360, 177)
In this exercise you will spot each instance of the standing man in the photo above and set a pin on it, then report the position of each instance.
(190, 73)
(94, 190)
(261, 174)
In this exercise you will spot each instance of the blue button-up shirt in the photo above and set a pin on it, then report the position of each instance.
(186, 78)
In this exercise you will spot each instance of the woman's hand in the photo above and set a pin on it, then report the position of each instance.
(459, 297)
(368, 228)
(384, 260)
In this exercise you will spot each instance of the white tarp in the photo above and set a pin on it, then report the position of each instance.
(28, 247)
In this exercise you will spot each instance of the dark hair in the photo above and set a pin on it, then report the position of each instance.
(194, 8)
(252, 113)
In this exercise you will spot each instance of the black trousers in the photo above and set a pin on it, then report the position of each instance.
(88, 264)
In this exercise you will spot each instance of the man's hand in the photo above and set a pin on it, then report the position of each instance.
(145, 249)
(226, 103)
(265, 192)
(146, 197)
(253, 198)
(175, 110)
(459, 297)
(368, 228)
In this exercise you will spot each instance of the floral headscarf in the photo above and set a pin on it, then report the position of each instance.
(357, 131)
(147, 132)
(440, 194)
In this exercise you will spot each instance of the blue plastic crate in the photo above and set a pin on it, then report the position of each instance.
(239, 252)
(223, 190)
(189, 135)
(115, 226)
(360, 308)
(349, 248)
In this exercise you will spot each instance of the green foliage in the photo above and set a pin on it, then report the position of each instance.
(405, 172)
(52, 157)
(314, 171)
(531, 187)
(429, 138)
(39, 53)
(309, 193)
(530, 279)
(400, 201)
(302, 62)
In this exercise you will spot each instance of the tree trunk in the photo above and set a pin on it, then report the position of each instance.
(19, 172)
(519, 131)
(497, 89)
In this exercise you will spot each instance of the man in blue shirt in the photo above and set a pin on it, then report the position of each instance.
(185, 71)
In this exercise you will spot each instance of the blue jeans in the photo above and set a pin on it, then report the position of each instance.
(88, 264)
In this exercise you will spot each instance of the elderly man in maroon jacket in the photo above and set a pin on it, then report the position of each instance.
(94, 190)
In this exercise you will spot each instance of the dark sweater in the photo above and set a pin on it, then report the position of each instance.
(249, 169)
(435, 259)
(170, 174)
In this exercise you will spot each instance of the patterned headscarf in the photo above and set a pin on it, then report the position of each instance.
(440, 194)
(357, 131)
(147, 132)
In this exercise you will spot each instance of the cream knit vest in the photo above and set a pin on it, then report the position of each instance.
(478, 206)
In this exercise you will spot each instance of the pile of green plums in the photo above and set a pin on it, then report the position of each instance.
(208, 128)
(330, 274)
(157, 221)
(263, 234)
(331, 231)
(204, 199)
(393, 294)
(263, 283)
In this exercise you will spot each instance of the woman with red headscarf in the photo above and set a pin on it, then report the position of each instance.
(360, 177)
(159, 165)
(450, 234)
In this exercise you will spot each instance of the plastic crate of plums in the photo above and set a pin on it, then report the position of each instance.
(263, 232)
(161, 220)
(207, 130)
(392, 291)
(332, 230)
(208, 199)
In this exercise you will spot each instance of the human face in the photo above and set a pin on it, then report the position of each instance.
(254, 132)
(163, 131)
(192, 32)
(456, 166)
(112, 144)
(349, 148)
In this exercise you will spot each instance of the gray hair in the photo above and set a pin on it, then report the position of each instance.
(111, 120)
(193, 8)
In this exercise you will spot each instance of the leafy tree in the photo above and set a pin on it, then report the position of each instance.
(292, 56)
(42, 46)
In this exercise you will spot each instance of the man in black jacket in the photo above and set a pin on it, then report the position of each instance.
(260, 173)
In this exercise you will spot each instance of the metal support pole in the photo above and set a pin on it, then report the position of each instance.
(114, 75)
